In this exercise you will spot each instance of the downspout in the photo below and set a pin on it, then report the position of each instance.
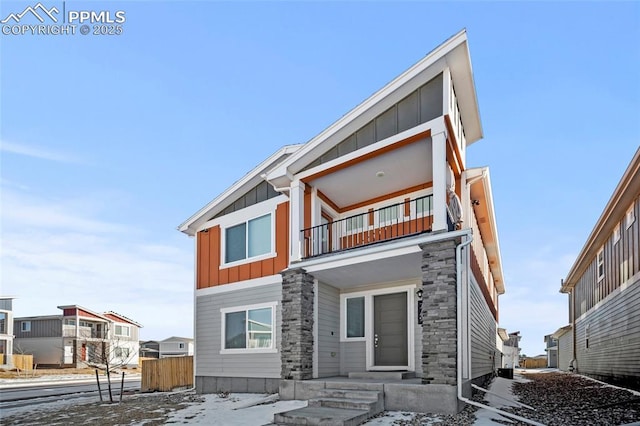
(459, 248)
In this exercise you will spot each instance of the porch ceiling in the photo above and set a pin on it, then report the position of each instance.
(402, 168)
(370, 270)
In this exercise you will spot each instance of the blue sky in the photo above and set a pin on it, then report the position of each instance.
(109, 142)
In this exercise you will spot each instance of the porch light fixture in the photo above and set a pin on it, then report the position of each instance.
(419, 294)
(380, 174)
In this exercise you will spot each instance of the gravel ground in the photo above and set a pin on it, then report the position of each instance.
(568, 399)
(559, 399)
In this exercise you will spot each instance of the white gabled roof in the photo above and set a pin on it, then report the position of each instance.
(453, 53)
(248, 181)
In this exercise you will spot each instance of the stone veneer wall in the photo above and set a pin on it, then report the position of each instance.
(297, 325)
(439, 304)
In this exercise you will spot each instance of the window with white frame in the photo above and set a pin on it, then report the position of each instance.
(389, 214)
(180, 345)
(25, 326)
(123, 330)
(248, 239)
(249, 328)
(69, 321)
(423, 205)
(121, 352)
(616, 234)
(630, 217)
(355, 317)
(354, 223)
(600, 264)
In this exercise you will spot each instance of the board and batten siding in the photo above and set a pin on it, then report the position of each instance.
(621, 263)
(328, 339)
(483, 333)
(209, 360)
(48, 327)
(608, 336)
(565, 351)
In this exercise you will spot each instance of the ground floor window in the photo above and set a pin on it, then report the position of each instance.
(248, 328)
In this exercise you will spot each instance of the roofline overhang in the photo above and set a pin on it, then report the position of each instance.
(561, 331)
(283, 174)
(123, 318)
(482, 174)
(254, 177)
(626, 192)
(101, 316)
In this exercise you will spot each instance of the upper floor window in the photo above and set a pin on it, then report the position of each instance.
(123, 330)
(180, 345)
(616, 234)
(600, 264)
(355, 223)
(248, 239)
(25, 326)
(69, 321)
(389, 214)
(630, 217)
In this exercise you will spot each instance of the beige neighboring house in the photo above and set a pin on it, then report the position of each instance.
(6, 331)
(76, 337)
(175, 346)
(604, 289)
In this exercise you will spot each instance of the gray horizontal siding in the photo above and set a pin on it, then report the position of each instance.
(483, 334)
(328, 331)
(209, 361)
(614, 336)
(51, 327)
(565, 351)
(353, 357)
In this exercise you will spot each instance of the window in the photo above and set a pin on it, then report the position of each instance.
(122, 330)
(248, 239)
(355, 317)
(423, 205)
(600, 262)
(616, 234)
(121, 352)
(630, 217)
(180, 345)
(248, 328)
(355, 223)
(388, 214)
(69, 322)
(25, 326)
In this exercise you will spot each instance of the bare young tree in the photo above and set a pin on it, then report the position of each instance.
(109, 356)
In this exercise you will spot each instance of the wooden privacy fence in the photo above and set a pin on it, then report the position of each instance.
(534, 363)
(23, 362)
(167, 373)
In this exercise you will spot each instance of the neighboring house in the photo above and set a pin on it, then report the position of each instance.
(6, 331)
(565, 347)
(78, 337)
(552, 350)
(511, 350)
(150, 349)
(369, 250)
(176, 346)
(604, 289)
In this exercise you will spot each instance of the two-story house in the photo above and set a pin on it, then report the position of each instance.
(78, 337)
(604, 289)
(6, 331)
(371, 251)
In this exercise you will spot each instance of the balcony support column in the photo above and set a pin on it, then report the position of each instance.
(439, 167)
(296, 206)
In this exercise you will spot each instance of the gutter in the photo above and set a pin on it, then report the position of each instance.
(459, 248)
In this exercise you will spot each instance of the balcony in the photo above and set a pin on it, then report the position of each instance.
(83, 332)
(408, 218)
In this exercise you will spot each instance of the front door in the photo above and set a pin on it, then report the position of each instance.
(390, 339)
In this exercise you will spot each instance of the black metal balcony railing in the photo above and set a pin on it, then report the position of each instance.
(399, 220)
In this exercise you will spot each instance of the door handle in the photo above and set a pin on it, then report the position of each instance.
(375, 340)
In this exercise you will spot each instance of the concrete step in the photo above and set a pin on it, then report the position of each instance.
(372, 406)
(323, 416)
(383, 375)
(349, 394)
